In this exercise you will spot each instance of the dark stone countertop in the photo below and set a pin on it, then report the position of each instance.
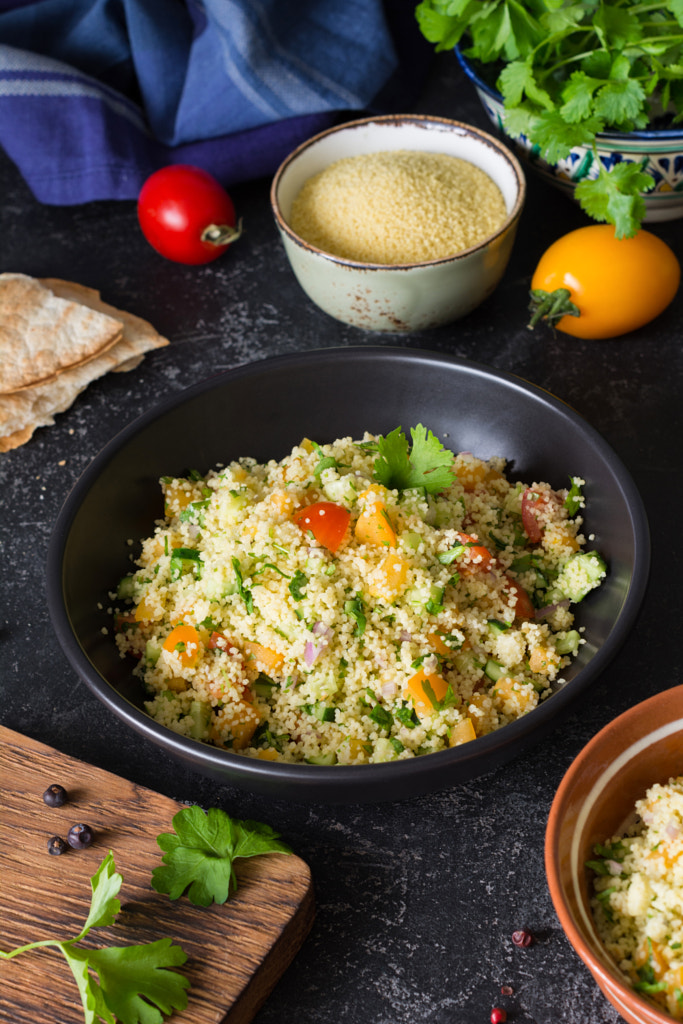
(416, 901)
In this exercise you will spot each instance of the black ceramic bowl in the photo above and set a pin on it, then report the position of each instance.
(262, 410)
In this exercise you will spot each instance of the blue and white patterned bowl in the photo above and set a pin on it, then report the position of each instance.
(660, 153)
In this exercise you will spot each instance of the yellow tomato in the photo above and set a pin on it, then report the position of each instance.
(618, 284)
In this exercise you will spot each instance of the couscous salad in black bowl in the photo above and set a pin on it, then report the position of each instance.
(349, 575)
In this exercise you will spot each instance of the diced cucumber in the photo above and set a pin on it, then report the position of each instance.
(152, 652)
(200, 716)
(233, 502)
(324, 759)
(321, 711)
(569, 643)
(411, 540)
(263, 686)
(581, 573)
(494, 670)
(342, 489)
(126, 589)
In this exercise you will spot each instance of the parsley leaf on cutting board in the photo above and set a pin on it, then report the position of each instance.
(198, 857)
(133, 984)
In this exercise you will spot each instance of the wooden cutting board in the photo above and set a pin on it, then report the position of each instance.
(236, 952)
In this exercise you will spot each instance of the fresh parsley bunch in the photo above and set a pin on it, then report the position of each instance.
(569, 70)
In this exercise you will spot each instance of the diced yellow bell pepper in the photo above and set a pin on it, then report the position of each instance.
(463, 732)
(148, 611)
(416, 689)
(268, 754)
(240, 719)
(374, 527)
(388, 580)
(263, 659)
(184, 640)
(439, 646)
(178, 494)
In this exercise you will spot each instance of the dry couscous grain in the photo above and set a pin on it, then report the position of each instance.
(397, 207)
(301, 611)
(638, 897)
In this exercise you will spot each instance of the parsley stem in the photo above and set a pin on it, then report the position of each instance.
(29, 946)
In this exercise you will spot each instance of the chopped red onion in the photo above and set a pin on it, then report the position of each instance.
(313, 650)
(543, 613)
(404, 636)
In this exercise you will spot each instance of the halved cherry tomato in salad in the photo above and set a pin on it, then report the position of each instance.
(610, 285)
(478, 559)
(532, 503)
(186, 215)
(326, 521)
(524, 609)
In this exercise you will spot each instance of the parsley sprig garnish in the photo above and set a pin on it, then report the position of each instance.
(133, 983)
(569, 71)
(199, 856)
(425, 464)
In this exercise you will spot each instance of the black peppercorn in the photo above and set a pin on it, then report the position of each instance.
(79, 836)
(55, 795)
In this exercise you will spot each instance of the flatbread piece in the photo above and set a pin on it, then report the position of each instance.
(41, 334)
(25, 409)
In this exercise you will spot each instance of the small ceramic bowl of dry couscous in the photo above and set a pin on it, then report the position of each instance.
(399, 223)
(614, 859)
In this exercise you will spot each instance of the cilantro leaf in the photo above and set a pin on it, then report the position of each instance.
(198, 857)
(297, 584)
(556, 138)
(614, 196)
(518, 80)
(426, 464)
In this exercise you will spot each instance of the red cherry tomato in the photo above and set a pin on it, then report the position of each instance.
(532, 503)
(524, 609)
(327, 522)
(186, 215)
(479, 558)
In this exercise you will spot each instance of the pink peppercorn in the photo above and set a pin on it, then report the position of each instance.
(522, 937)
(498, 1015)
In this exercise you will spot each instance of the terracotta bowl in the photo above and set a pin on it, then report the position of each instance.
(594, 800)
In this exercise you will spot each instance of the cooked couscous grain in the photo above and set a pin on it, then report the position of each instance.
(638, 902)
(311, 610)
(397, 207)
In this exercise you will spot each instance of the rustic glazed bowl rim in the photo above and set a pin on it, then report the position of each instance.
(580, 929)
(461, 128)
(638, 133)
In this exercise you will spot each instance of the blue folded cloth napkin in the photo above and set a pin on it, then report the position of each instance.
(97, 94)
